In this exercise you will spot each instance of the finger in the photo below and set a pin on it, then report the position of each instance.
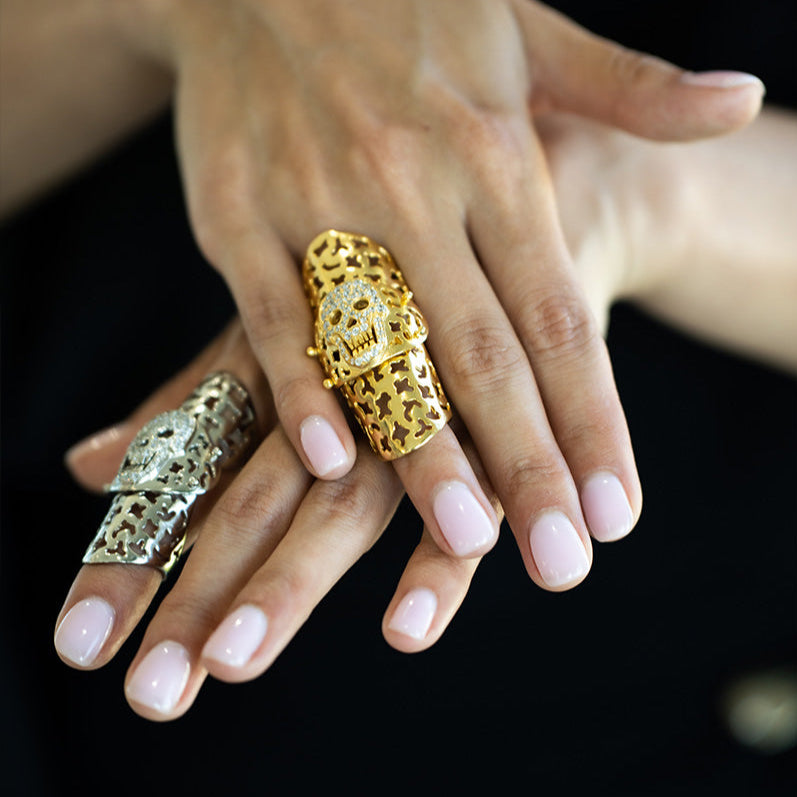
(487, 374)
(234, 624)
(575, 70)
(444, 489)
(106, 601)
(243, 529)
(427, 597)
(433, 584)
(93, 462)
(518, 239)
(225, 207)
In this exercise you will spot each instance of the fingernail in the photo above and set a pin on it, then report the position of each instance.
(83, 631)
(238, 637)
(462, 519)
(557, 550)
(95, 442)
(606, 508)
(322, 446)
(160, 678)
(414, 614)
(720, 80)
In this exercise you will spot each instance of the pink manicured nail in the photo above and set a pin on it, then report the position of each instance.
(238, 637)
(322, 446)
(414, 615)
(720, 80)
(462, 519)
(95, 442)
(557, 550)
(83, 631)
(606, 508)
(160, 678)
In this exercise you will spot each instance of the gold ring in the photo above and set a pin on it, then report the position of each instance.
(369, 339)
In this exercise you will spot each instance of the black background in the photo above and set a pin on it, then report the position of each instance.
(610, 689)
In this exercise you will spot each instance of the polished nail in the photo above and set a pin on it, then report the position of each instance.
(414, 614)
(720, 80)
(462, 519)
(557, 549)
(606, 508)
(238, 637)
(95, 442)
(322, 446)
(160, 678)
(84, 630)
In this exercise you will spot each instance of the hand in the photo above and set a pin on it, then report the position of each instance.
(410, 122)
(268, 544)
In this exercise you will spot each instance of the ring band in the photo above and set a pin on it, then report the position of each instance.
(369, 338)
(173, 459)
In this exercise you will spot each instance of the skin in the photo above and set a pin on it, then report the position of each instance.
(621, 236)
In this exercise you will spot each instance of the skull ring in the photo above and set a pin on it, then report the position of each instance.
(172, 460)
(369, 339)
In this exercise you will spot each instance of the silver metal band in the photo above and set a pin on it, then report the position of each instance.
(173, 459)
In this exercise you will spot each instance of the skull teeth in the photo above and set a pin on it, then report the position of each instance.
(363, 341)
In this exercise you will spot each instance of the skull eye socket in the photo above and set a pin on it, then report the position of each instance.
(361, 304)
(164, 433)
(335, 317)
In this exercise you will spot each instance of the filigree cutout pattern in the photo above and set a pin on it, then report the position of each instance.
(175, 458)
(369, 337)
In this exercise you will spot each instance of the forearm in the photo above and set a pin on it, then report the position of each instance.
(721, 260)
(69, 89)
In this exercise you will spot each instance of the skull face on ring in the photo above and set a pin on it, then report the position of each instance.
(353, 320)
(362, 325)
(156, 445)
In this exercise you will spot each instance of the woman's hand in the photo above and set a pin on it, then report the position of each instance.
(267, 546)
(413, 123)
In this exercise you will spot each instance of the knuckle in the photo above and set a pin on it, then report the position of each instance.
(526, 474)
(387, 158)
(558, 323)
(482, 353)
(492, 133)
(627, 66)
(245, 508)
(345, 502)
(595, 433)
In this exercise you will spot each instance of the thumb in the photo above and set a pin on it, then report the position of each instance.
(574, 70)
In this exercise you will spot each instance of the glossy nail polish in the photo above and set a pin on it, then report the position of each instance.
(462, 519)
(322, 446)
(414, 614)
(606, 508)
(160, 678)
(720, 79)
(84, 630)
(557, 549)
(238, 636)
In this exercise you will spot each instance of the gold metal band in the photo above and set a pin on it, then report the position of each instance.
(369, 337)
